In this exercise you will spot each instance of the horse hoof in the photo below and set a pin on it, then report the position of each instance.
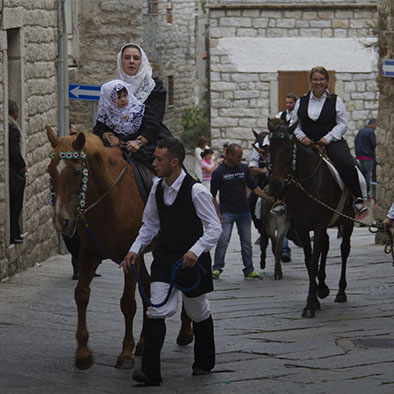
(125, 363)
(84, 363)
(262, 265)
(278, 276)
(308, 313)
(341, 298)
(323, 292)
(184, 339)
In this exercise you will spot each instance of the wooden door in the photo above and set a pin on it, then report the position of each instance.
(297, 82)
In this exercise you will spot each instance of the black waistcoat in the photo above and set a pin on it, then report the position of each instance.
(316, 129)
(180, 228)
(283, 117)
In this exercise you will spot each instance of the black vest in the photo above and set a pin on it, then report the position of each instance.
(283, 117)
(180, 227)
(316, 129)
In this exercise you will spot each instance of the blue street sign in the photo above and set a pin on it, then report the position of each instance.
(83, 92)
(388, 68)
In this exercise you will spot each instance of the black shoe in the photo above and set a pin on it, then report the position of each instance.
(286, 258)
(141, 377)
(198, 371)
(17, 240)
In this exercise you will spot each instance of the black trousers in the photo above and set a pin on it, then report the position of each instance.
(73, 244)
(16, 203)
(339, 153)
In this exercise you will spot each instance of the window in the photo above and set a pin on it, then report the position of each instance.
(71, 19)
(153, 7)
(169, 8)
(170, 92)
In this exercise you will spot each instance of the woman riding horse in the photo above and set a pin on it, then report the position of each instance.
(322, 119)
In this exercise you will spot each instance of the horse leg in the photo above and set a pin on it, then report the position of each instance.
(322, 290)
(347, 229)
(277, 248)
(185, 336)
(83, 356)
(128, 307)
(264, 239)
(145, 279)
(311, 261)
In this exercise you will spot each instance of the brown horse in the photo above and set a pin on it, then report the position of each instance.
(86, 175)
(300, 177)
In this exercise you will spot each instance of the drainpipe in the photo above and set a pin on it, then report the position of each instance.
(62, 70)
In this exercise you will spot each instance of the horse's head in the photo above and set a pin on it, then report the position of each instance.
(281, 153)
(68, 175)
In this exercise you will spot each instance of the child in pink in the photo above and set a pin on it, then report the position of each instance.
(208, 166)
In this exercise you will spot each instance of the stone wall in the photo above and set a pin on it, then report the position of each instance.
(243, 100)
(103, 27)
(385, 131)
(35, 49)
(177, 50)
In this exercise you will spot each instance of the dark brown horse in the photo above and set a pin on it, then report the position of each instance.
(82, 174)
(299, 176)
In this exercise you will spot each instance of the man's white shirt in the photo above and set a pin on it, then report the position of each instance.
(205, 209)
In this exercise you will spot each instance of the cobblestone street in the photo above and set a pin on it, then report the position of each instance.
(263, 343)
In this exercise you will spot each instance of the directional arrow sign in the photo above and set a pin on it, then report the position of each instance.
(83, 92)
(388, 68)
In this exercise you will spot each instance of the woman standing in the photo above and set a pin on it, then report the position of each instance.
(323, 120)
(143, 91)
(200, 148)
(208, 166)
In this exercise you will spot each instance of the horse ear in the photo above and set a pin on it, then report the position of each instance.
(271, 126)
(79, 142)
(292, 128)
(52, 138)
(256, 134)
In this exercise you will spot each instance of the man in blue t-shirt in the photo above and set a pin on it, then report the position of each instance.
(230, 180)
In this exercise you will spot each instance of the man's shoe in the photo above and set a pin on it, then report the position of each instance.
(17, 240)
(359, 207)
(198, 371)
(215, 274)
(254, 275)
(278, 209)
(286, 258)
(141, 377)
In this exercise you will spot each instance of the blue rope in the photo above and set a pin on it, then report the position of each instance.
(175, 268)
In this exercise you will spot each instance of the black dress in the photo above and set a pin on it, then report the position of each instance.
(151, 128)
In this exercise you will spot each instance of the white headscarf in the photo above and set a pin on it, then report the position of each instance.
(142, 83)
(126, 120)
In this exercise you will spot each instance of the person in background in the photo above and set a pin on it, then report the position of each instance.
(365, 145)
(208, 166)
(202, 144)
(230, 179)
(388, 221)
(17, 172)
(291, 100)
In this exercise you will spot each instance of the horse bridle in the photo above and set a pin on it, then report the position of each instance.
(81, 210)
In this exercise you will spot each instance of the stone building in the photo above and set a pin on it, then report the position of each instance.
(28, 39)
(32, 38)
(385, 131)
(260, 51)
(165, 29)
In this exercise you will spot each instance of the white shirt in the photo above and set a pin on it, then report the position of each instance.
(202, 200)
(289, 115)
(390, 214)
(254, 156)
(315, 107)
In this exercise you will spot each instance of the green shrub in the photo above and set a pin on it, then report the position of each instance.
(195, 124)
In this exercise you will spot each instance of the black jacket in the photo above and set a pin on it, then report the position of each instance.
(16, 159)
(365, 142)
